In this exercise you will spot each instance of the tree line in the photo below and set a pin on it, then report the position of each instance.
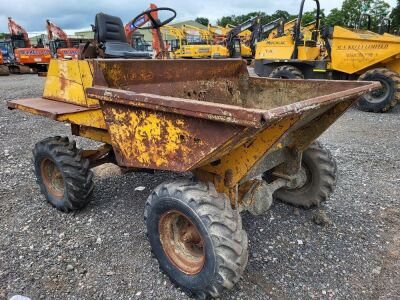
(348, 15)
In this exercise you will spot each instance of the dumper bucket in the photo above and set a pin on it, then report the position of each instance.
(182, 115)
(355, 50)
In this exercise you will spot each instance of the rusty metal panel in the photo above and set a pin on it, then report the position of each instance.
(66, 82)
(49, 108)
(147, 139)
(120, 73)
(204, 110)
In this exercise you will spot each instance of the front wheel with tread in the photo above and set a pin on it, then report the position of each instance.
(321, 173)
(63, 175)
(196, 237)
(384, 99)
(286, 72)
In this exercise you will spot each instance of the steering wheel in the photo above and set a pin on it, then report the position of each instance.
(155, 22)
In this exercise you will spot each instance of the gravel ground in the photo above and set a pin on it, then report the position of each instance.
(102, 251)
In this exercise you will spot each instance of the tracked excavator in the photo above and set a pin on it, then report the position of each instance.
(27, 59)
(59, 43)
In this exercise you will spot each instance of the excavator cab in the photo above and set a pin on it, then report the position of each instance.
(55, 45)
(111, 39)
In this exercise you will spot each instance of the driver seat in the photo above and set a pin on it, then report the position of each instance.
(111, 38)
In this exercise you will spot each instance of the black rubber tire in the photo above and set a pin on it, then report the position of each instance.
(321, 179)
(76, 175)
(225, 242)
(387, 78)
(286, 72)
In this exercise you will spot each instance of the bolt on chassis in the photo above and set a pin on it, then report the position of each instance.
(245, 139)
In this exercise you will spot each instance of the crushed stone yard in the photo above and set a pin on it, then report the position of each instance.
(102, 252)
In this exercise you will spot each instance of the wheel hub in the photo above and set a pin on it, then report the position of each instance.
(300, 179)
(182, 242)
(379, 95)
(52, 178)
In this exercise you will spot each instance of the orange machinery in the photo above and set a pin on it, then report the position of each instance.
(26, 57)
(131, 27)
(3, 68)
(60, 45)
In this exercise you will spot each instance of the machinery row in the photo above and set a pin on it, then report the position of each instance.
(281, 49)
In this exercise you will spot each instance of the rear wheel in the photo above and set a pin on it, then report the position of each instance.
(196, 236)
(63, 175)
(319, 170)
(286, 72)
(384, 99)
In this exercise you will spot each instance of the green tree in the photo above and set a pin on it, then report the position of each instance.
(203, 21)
(351, 11)
(379, 10)
(310, 16)
(335, 17)
(236, 20)
(395, 16)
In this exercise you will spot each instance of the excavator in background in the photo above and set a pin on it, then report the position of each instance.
(335, 53)
(189, 42)
(233, 45)
(136, 40)
(59, 43)
(27, 59)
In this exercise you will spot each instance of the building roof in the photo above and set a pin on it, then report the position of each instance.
(147, 36)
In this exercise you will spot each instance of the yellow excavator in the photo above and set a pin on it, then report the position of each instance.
(335, 53)
(234, 42)
(188, 42)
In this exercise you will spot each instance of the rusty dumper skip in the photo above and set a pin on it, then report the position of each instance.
(245, 139)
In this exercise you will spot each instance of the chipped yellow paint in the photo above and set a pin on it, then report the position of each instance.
(91, 118)
(147, 137)
(277, 48)
(309, 53)
(66, 81)
(236, 164)
(356, 50)
(99, 135)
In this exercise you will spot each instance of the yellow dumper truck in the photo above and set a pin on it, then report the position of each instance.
(335, 53)
(246, 140)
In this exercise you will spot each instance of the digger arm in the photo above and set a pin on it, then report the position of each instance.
(130, 29)
(17, 30)
(250, 24)
(53, 31)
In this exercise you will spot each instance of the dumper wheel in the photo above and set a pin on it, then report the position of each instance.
(319, 169)
(63, 175)
(196, 236)
(384, 99)
(286, 72)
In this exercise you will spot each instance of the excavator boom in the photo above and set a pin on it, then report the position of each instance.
(130, 28)
(17, 30)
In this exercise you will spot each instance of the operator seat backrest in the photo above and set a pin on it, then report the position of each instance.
(111, 39)
(109, 29)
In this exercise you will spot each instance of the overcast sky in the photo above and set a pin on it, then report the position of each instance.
(73, 15)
